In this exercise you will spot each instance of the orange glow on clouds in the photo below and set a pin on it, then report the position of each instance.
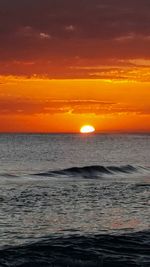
(43, 105)
(62, 71)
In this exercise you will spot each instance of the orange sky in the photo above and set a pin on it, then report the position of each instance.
(44, 105)
(67, 63)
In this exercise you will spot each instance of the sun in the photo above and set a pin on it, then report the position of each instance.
(87, 129)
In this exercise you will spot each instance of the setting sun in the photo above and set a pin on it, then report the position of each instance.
(87, 129)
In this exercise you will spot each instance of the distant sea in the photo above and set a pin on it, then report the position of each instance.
(75, 200)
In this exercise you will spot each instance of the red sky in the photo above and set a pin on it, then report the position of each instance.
(68, 63)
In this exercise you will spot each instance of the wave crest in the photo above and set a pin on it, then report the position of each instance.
(91, 171)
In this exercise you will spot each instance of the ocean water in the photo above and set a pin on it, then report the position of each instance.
(74, 200)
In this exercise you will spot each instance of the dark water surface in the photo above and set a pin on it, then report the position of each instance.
(73, 200)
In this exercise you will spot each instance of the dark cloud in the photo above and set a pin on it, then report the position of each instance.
(52, 29)
(103, 19)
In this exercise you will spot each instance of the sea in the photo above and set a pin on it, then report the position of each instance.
(75, 200)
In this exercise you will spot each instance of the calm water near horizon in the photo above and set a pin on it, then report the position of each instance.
(74, 200)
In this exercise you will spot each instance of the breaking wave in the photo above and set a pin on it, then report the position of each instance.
(94, 171)
(72, 251)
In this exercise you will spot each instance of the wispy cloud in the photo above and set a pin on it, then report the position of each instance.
(60, 32)
(50, 106)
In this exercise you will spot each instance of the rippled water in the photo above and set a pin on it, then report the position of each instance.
(72, 200)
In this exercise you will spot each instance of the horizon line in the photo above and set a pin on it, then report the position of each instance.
(78, 133)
